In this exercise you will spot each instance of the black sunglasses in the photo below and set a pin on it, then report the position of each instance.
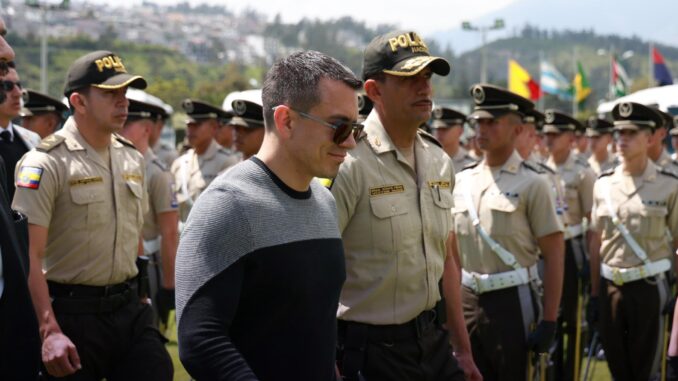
(342, 129)
(9, 85)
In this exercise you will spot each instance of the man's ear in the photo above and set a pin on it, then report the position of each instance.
(372, 90)
(283, 121)
(78, 101)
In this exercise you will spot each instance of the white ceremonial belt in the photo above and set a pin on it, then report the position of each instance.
(572, 231)
(152, 246)
(620, 275)
(481, 283)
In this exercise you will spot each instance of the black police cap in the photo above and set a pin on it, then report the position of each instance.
(493, 101)
(535, 117)
(596, 126)
(556, 121)
(668, 119)
(445, 117)
(142, 110)
(400, 53)
(247, 113)
(198, 110)
(102, 69)
(635, 116)
(36, 103)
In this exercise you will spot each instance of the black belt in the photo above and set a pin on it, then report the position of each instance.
(410, 330)
(81, 299)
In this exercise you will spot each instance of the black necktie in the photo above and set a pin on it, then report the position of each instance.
(6, 136)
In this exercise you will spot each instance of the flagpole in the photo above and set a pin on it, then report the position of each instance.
(540, 104)
(574, 66)
(650, 76)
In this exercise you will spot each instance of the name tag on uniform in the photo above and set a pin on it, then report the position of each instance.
(387, 189)
(132, 177)
(85, 181)
(440, 184)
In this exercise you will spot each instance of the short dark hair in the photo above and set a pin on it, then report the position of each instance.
(294, 80)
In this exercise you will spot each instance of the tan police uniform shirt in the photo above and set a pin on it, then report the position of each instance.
(647, 205)
(515, 205)
(599, 167)
(462, 159)
(666, 163)
(193, 173)
(578, 181)
(394, 223)
(165, 152)
(557, 186)
(161, 194)
(93, 209)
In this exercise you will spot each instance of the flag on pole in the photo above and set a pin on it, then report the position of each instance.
(619, 81)
(552, 82)
(521, 83)
(661, 72)
(581, 86)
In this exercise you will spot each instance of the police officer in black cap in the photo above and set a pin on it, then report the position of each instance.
(249, 126)
(657, 150)
(599, 133)
(447, 125)
(634, 206)
(194, 170)
(504, 218)
(41, 113)
(365, 106)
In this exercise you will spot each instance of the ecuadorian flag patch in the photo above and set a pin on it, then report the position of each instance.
(29, 177)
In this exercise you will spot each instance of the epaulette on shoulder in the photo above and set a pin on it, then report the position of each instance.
(124, 141)
(49, 143)
(429, 137)
(546, 168)
(160, 164)
(471, 165)
(532, 167)
(668, 173)
(606, 173)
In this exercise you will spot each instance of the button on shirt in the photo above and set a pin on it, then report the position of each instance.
(515, 205)
(647, 205)
(394, 223)
(93, 209)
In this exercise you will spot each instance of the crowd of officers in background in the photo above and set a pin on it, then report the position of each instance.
(541, 202)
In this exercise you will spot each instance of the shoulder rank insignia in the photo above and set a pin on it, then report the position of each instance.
(429, 137)
(124, 141)
(47, 144)
(668, 173)
(532, 167)
(606, 173)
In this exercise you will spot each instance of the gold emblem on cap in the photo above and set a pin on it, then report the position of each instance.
(408, 40)
(550, 117)
(478, 94)
(415, 62)
(625, 109)
(187, 105)
(239, 107)
(110, 62)
(438, 113)
(24, 95)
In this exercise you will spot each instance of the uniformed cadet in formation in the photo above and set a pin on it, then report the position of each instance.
(161, 221)
(365, 106)
(577, 178)
(674, 139)
(656, 150)
(633, 207)
(15, 140)
(581, 142)
(248, 121)
(41, 113)
(599, 132)
(447, 126)
(504, 217)
(224, 134)
(195, 170)
(394, 195)
(164, 150)
(82, 190)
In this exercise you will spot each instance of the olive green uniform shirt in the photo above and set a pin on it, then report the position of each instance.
(197, 172)
(394, 223)
(647, 205)
(93, 210)
(515, 205)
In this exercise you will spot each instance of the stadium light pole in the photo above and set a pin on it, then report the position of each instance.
(43, 7)
(467, 26)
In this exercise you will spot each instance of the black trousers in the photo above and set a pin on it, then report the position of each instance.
(631, 328)
(497, 328)
(391, 353)
(119, 345)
